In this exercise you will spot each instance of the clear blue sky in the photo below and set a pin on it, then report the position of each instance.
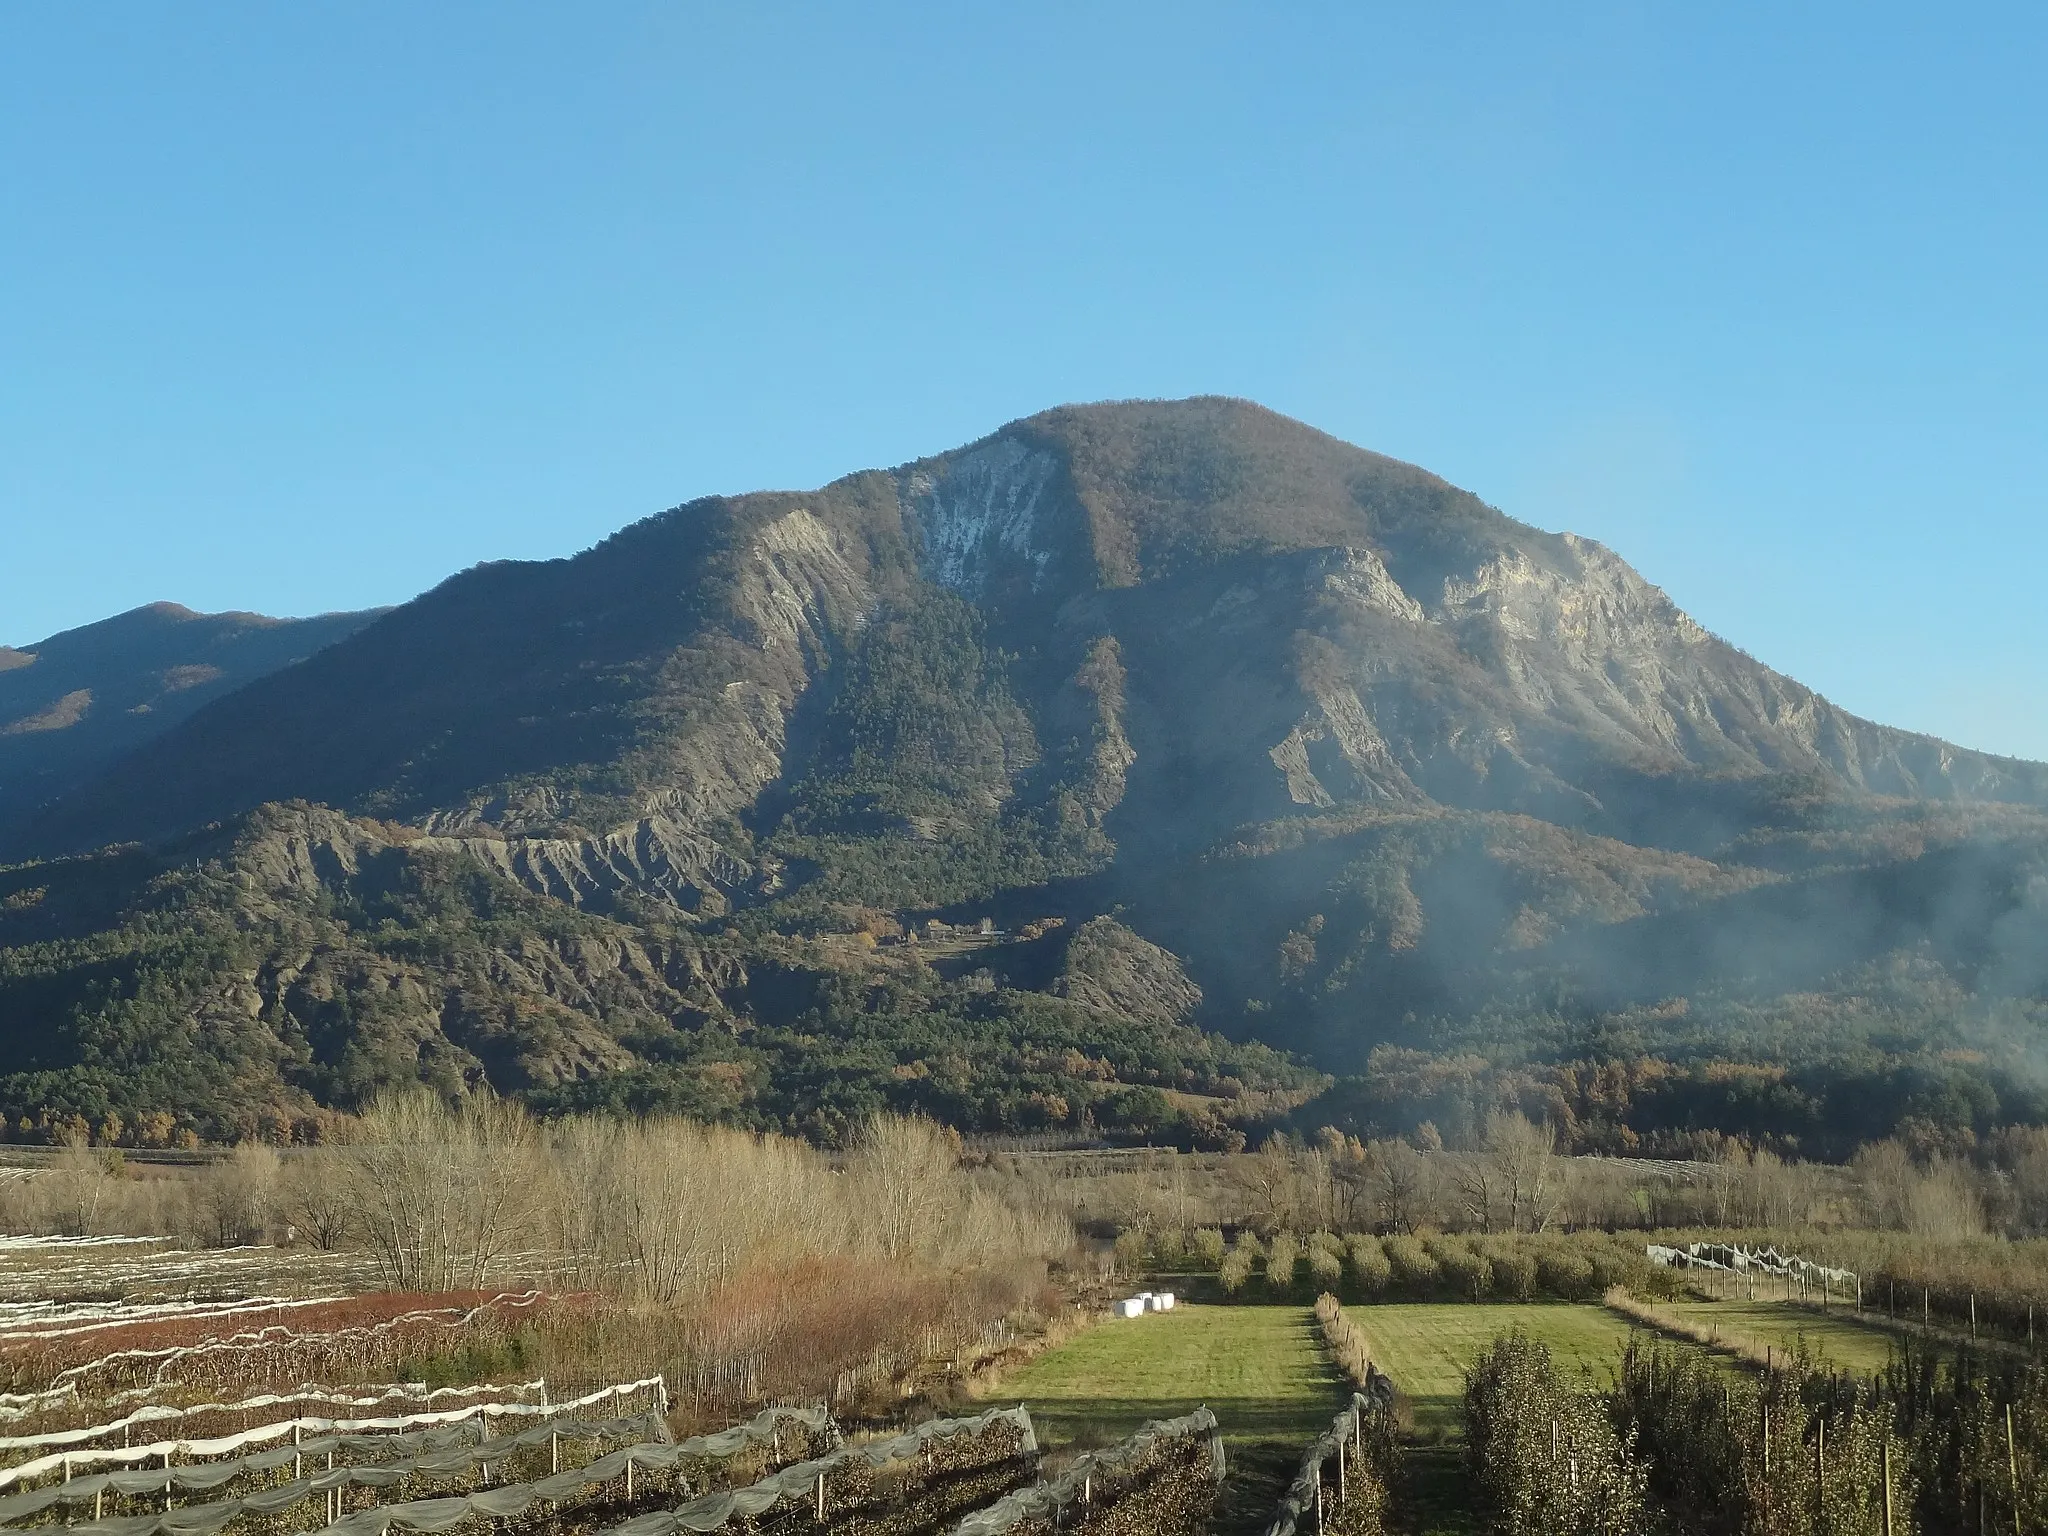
(305, 306)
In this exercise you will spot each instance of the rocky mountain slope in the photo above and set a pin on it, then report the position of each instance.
(1373, 767)
(74, 703)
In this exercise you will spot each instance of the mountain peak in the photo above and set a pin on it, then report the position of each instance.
(1136, 489)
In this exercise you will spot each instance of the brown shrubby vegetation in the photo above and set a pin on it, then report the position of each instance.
(744, 1267)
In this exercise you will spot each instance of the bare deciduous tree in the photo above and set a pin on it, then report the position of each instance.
(1885, 1169)
(80, 1185)
(904, 1168)
(316, 1205)
(1942, 1203)
(442, 1195)
(1523, 1169)
(1402, 1184)
(238, 1195)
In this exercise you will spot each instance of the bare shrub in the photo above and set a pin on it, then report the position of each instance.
(1369, 1264)
(1325, 1266)
(1281, 1255)
(1237, 1264)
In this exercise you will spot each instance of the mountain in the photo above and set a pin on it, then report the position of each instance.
(1330, 755)
(72, 704)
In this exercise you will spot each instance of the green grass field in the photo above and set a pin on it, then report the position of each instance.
(1262, 1369)
(1426, 1348)
(1833, 1336)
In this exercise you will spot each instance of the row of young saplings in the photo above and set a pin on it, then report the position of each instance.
(1342, 1486)
(86, 1424)
(1578, 1266)
(965, 1477)
(1161, 1481)
(1941, 1443)
(2016, 1317)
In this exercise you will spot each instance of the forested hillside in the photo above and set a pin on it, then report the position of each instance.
(1231, 731)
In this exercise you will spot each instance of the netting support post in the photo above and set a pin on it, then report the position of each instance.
(554, 1451)
(821, 1498)
(629, 1477)
(2012, 1470)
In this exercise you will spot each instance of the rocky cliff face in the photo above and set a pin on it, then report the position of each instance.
(1342, 741)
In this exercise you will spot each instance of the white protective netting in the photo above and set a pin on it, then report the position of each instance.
(165, 1452)
(649, 1449)
(1048, 1501)
(716, 1510)
(1304, 1495)
(278, 1336)
(304, 1396)
(1737, 1259)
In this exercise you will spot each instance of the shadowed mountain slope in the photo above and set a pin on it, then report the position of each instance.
(74, 703)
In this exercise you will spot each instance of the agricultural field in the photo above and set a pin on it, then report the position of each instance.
(1261, 1370)
(1426, 1348)
(1835, 1337)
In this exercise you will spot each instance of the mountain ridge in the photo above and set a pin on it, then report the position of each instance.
(793, 584)
(73, 703)
(1378, 766)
